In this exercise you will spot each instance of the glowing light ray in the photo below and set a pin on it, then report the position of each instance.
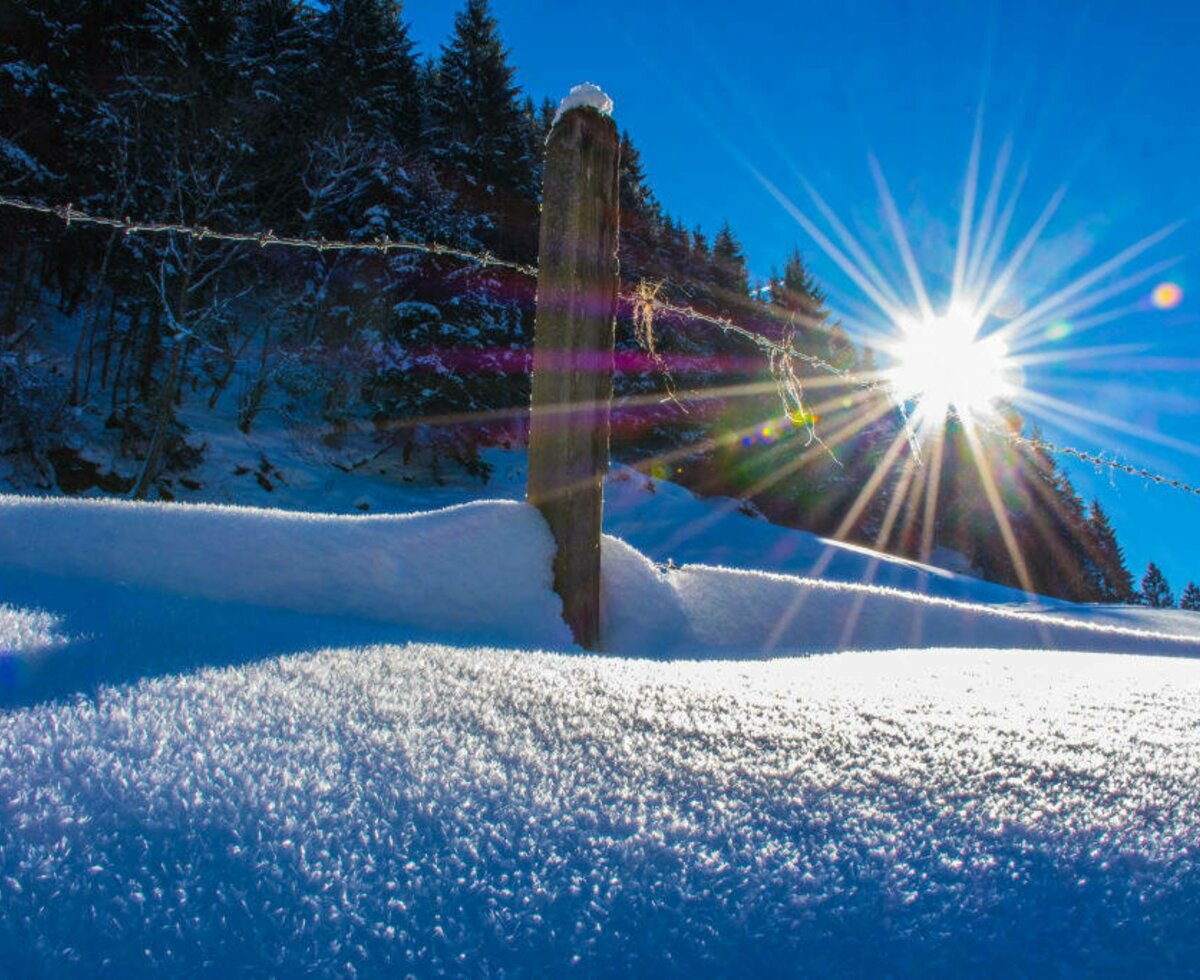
(871, 487)
(864, 417)
(912, 509)
(851, 244)
(1032, 341)
(906, 253)
(1073, 289)
(933, 485)
(963, 246)
(856, 608)
(797, 603)
(1057, 405)
(690, 530)
(859, 379)
(988, 479)
(1004, 280)
(829, 248)
(859, 319)
(1077, 354)
(992, 255)
(858, 423)
(986, 219)
(1061, 422)
(1108, 316)
(899, 496)
(1052, 502)
(1187, 365)
(748, 389)
(1064, 310)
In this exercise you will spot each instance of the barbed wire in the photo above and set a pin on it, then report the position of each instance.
(763, 343)
(644, 303)
(1097, 460)
(72, 215)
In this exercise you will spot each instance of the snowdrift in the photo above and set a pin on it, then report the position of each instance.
(481, 572)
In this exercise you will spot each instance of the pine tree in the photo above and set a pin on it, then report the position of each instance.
(1190, 598)
(641, 218)
(799, 296)
(729, 268)
(1113, 581)
(1156, 593)
(478, 124)
(369, 74)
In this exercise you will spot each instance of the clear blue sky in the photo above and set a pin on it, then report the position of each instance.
(1101, 97)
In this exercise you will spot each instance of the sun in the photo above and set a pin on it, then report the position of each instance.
(940, 364)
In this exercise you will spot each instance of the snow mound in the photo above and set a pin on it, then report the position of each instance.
(479, 569)
(584, 96)
(475, 572)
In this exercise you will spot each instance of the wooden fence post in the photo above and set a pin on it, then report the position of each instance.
(573, 351)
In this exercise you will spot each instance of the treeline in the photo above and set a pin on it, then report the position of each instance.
(1156, 592)
(250, 115)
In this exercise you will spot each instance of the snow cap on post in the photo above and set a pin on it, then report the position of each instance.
(584, 96)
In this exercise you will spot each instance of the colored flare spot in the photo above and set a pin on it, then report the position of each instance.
(1166, 295)
(767, 433)
(1059, 330)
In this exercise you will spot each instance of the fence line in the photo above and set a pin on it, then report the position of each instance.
(70, 214)
(643, 302)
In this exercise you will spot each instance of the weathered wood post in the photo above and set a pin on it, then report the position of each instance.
(573, 348)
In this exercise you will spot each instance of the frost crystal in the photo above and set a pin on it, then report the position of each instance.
(585, 95)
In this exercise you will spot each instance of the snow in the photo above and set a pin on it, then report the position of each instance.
(28, 633)
(412, 569)
(276, 742)
(481, 572)
(584, 96)
(421, 808)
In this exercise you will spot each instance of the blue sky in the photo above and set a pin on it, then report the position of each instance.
(1099, 98)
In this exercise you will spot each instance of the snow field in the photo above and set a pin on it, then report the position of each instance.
(190, 784)
(429, 809)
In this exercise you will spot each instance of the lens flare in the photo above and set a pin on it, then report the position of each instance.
(941, 363)
(1166, 295)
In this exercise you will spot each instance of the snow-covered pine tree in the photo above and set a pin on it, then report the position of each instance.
(479, 131)
(1156, 593)
(1190, 598)
(369, 74)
